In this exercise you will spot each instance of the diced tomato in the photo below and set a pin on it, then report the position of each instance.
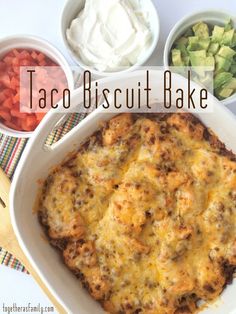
(17, 114)
(8, 60)
(14, 83)
(15, 61)
(13, 125)
(2, 96)
(5, 79)
(29, 123)
(4, 114)
(7, 92)
(2, 66)
(24, 54)
(16, 98)
(42, 63)
(16, 52)
(40, 115)
(10, 54)
(7, 103)
(34, 55)
(24, 62)
(41, 57)
(11, 94)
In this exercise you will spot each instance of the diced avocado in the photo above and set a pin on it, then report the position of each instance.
(233, 69)
(217, 34)
(210, 62)
(225, 92)
(231, 84)
(213, 48)
(201, 30)
(193, 43)
(222, 63)
(221, 79)
(210, 51)
(197, 58)
(227, 38)
(182, 40)
(196, 43)
(216, 93)
(176, 57)
(186, 60)
(188, 33)
(183, 50)
(226, 52)
(229, 25)
(204, 43)
(233, 44)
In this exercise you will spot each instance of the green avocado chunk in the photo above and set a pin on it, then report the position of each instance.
(201, 30)
(176, 57)
(228, 37)
(213, 48)
(181, 44)
(226, 52)
(233, 44)
(222, 63)
(197, 43)
(210, 62)
(221, 79)
(182, 41)
(186, 60)
(231, 84)
(233, 69)
(217, 34)
(225, 92)
(228, 25)
(197, 58)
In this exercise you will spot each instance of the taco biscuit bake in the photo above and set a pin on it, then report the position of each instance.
(144, 214)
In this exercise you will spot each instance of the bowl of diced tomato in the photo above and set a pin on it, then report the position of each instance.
(16, 52)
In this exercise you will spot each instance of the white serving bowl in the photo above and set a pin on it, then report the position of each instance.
(71, 10)
(39, 44)
(212, 17)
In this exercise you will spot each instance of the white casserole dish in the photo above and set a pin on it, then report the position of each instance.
(35, 164)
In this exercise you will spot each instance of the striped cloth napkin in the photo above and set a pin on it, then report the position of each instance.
(11, 150)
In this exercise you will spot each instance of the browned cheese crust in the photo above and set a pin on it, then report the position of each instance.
(145, 214)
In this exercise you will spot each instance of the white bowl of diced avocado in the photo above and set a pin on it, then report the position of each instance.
(207, 39)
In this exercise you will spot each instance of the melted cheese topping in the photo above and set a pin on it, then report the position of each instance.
(145, 214)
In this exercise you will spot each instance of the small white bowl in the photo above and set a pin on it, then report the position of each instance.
(71, 10)
(211, 17)
(39, 44)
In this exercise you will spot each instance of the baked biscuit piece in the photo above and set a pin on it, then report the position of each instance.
(58, 212)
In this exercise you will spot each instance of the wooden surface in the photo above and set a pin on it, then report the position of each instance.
(8, 239)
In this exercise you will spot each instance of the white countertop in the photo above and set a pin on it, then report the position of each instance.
(42, 18)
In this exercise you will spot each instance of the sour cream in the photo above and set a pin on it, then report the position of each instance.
(110, 34)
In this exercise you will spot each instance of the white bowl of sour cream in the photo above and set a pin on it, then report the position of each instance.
(110, 37)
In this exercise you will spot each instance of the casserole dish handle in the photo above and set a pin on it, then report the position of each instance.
(53, 119)
(51, 122)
